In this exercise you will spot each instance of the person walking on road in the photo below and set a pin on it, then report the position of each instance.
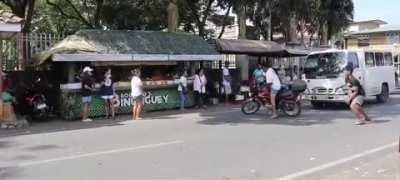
(199, 88)
(226, 81)
(182, 90)
(356, 96)
(107, 93)
(137, 94)
(274, 83)
(87, 91)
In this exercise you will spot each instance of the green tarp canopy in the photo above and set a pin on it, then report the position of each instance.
(106, 46)
(257, 48)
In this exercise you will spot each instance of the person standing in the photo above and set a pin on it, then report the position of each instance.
(274, 83)
(137, 94)
(356, 96)
(199, 88)
(182, 90)
(87, 91)
(108, 94)
(226, 81)
(259, 76)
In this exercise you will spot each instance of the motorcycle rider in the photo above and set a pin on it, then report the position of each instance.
(274, 83)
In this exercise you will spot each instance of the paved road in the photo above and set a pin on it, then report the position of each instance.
(218, 143)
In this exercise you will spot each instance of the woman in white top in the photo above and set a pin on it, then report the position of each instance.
(137, 94)
(199, 88)
(182, 89)
(275, 85)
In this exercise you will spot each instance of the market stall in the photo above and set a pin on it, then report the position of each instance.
(263, 50)
(159, 55)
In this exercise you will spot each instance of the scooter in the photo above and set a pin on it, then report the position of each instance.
(38, 108)
(288, 101)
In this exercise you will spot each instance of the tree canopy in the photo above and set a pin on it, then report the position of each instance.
(291, 18)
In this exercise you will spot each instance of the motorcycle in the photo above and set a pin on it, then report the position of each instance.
(288, 100)
(36, 104)
(38, 108)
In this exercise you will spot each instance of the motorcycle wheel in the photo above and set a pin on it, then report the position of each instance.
(291, 108)
(250, 107)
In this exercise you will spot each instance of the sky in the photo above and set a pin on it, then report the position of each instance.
(387, 10)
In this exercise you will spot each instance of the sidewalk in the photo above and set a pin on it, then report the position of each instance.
(64, 125)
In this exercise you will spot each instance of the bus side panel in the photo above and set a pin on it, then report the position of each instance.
(369, 79)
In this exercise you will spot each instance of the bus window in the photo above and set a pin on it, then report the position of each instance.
(379, 59)
(353, 59)
(388, 59)
(369, 59)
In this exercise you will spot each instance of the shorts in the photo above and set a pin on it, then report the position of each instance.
(274, 92)
(86, 99)
(109, 97)
(138, 98)
(227, 89)
(359, 100)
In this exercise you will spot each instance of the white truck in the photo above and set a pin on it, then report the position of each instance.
(324, 74)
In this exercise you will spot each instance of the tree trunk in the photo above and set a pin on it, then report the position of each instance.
(29, 15)
(242, 22)
(302, 31)
(99, 8)
(324, 34)
(224, 22)
(293, 29)
(268, 20)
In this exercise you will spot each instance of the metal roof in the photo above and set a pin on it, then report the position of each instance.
(383, 29)
(376, 21)
(98, 45)
(257, 48)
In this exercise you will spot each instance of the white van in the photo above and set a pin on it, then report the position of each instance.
(324, 74)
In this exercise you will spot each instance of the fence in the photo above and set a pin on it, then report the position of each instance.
(17, 52)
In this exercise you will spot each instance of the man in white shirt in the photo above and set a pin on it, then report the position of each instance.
(275, 85)
(226, 81)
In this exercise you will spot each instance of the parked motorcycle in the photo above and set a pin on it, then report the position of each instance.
(36, 104)
(288, 99)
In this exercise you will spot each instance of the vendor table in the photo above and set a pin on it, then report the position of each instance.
(159, 95)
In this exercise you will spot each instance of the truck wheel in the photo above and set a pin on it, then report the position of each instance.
(384, 96)
(317, 105)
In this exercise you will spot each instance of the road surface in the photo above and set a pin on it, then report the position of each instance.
(217, 143)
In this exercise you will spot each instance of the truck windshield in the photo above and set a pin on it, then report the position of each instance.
(325, 65)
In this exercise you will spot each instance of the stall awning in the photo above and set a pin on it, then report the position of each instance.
(132, 57)
(257, 48)
(97, 45)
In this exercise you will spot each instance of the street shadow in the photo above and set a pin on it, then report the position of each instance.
(10, 172)
(42, 147)
(379, 112)
(23, 157)
(6, 144)
(63, 125)
(263, 118)
(60, 125)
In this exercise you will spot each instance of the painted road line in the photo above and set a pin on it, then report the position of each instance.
(336, 163)
(114, 151)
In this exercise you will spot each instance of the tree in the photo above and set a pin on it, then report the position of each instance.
(194, 16)
(86, 12)
(135, 14)
(23, 9)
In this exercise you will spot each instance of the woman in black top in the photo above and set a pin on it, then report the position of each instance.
(356, 96)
